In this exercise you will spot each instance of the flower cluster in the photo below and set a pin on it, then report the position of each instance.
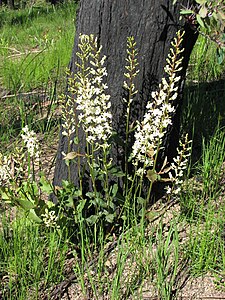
(150, 132)
(68, 116)
(30, 139)
(92, 101)
(50, 219)
(5, 170)
(179, 166)
(132, 71)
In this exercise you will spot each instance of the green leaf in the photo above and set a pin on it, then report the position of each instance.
(220, 55)
(152, 176)
(49, 204)
(29, 190)
(81, 205)
(203, 12)
(5, 196)
(72, 155)
(92, 219)
(116, 171)
(25, 204)
(200, 21)
(112, 205)
(76, 140)
(201, 1)
(151, 215)
(45, 185)
(186, 12)
(77, 193)
(114, 190)
(69, 201)
(109, 218)
(33, 216)
(141, 200)
(215, 16)
(65, 183)
(101, 202)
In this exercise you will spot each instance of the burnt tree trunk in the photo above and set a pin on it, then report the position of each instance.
(153, 25)
(11, 4)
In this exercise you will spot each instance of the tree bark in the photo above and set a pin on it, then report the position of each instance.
(11, 4)
(153, 25)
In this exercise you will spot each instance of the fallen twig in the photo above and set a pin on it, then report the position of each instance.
(22, 94)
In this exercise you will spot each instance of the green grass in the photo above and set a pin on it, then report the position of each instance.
(32, 52)
(203, 205)
(30, 258)
(204, 66)
(35, 49)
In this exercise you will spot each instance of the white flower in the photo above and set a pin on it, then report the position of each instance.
(50, 219)
(5, 171)
(159, 111)
(179, 166)
(31, 141)
(92, 101)
(140, 172)
(168, 190)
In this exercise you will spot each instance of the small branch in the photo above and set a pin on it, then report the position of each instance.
(24, 53)
(11, 49)
(22, 94)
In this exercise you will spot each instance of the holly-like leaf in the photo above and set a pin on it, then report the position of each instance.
(201, 1)
(200, 21)
(203, 12)
(109, 218)
(92, 219)
(186, 12)
(220, 55)
(141, 200)
(114, 190)
(72, 155)
(152, 175)
(34, 217)
(5, 196)
(150, 153)
(25, 204)
(45, 185)
(115, 171)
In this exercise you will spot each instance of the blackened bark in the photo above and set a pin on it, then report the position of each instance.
(11, 4)
(153, 25)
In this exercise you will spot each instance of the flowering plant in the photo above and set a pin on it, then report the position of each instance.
(91, 112)
(87, 108)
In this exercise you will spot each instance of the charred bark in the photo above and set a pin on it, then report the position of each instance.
(153, 25)
(11, 4)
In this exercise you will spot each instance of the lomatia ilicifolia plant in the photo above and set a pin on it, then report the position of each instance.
(87, 107)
